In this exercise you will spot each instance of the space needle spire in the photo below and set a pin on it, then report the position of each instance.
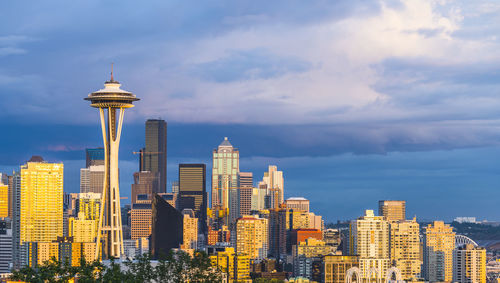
(111, 102)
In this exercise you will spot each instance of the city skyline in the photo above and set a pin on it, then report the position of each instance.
(414, 117)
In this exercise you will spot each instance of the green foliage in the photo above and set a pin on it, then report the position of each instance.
(267, 280)
(174, 267)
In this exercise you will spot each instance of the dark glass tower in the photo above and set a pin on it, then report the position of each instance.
(154, 155)
(94, 156)
(167, 228)
(192, 191)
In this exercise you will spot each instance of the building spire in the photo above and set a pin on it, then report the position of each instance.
(112, 80)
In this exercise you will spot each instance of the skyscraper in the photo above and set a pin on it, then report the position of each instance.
(369, 238)
(41, 201)
(4, 200)
(405, 248)
(154, 154)
(439, 243)
(245, 186)
(192, 191)
(392, 210)
(225, 169)
(140, 220)
(297, 203)
(94, 156)
(92, 179)
(5, 245)
(252, 237)
(167, 228)
(145, 183)
(469, 264)
(274, 184)
(111, 98)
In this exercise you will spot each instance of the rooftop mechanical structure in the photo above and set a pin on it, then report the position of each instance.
(111, 102)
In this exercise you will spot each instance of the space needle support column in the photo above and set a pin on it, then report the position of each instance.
(109, 240)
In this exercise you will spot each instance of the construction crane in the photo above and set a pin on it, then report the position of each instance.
(141, 156)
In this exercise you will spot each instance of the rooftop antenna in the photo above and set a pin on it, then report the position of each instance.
(112, 72)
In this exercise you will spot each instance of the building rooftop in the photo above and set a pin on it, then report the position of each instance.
(296, 198)
(225, 142)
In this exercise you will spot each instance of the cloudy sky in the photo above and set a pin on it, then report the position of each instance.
(355, 101)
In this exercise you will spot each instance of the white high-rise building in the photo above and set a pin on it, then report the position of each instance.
(274, 184)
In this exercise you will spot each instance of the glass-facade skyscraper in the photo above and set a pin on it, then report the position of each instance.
(225, 169)
(154, 155)
(192, 191)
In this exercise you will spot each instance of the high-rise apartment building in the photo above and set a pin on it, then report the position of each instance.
(405, 248)
(245, 186)
(5, 245)
(252, 237)
(92, 179)
(192, 191)
(41, 209)
(154, 155)
(469, 264)
(4, 200)
(297, 203)
(370, 239)
(274, 184)
(94, 156)
(15, 187)
(225, 169)
(439, 243)
(145, 183)
(392, 210)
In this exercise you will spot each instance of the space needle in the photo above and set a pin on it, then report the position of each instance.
(112, 102)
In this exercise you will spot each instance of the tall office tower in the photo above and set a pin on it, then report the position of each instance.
(392, 210)
(81, 229)
(369, 239)
(252, 236)
(334, 267)
(439, 242)
(167, 228)
(140, 220)
(90, 205)
(273, 181)
(193, 193)
(4, 200)
(175, 187)
(225, 169)
(297, 203)
(245, 186)
(469, 264)
(154, 155)
(94, 156)
(5, 245)
(235, 266)
(92, 179)
(316, 221)
(145, 183)
(41, 201)
(111, 98)
(189, 231)
(405, 248)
